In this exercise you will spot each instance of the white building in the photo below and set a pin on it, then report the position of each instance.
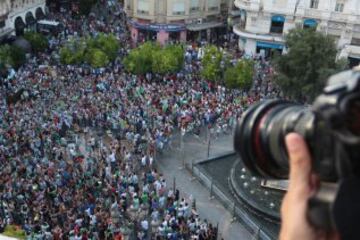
(16, 15)
(5, 29)
(264, 23)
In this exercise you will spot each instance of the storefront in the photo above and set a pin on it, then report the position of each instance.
(161, 32)
(268, 49)
(205, 31)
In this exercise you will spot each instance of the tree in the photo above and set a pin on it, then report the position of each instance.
(38, 41)
(18, 56)
(73, 52)
(97, 51)
(168, 60)
(107, 43)
(11, 55)
(211, 63)
(5, 55)
(140, 59)
(240, 75)
(96, 58)
(310, 60)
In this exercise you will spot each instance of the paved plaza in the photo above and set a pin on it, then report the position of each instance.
(196, 149)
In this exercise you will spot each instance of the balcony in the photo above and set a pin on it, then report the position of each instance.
(249, 5)
(350, 51)
(315, 13)
(242, 33)
(339, 17)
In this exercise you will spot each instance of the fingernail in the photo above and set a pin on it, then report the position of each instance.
(293, 141)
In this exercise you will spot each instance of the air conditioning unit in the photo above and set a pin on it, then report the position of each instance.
(199, 21)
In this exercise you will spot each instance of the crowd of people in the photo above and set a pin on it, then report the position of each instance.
(100, 187)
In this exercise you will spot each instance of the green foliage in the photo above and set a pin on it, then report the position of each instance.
(97, 52)
(14, 231)
(211, 63)
(73, 52)
(240, 75)
(96, 58)
(5, 55)
(168, 60)
(38, 41)
(106, 43)
(11, 55)
(302, 72)
(150, 57)
(18, 56)
(140, 59)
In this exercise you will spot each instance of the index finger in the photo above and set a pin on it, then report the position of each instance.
(300, 162)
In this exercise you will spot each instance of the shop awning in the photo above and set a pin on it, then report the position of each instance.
(278, 18)
(310, 22)
(203, 26)
(269, 45)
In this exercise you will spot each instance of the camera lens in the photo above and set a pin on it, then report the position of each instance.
(260, 134)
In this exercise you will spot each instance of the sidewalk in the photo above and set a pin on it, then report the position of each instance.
(169, 164)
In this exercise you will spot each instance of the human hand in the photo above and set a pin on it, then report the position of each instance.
(302, 185)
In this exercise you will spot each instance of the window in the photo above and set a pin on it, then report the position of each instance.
(277, 24)
(213, 5)
(178, 8)
(143, 7)
(314, 4)
(339, 7)
(194, 6)
(355, 41)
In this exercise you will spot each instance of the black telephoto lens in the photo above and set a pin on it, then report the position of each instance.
(260, 134)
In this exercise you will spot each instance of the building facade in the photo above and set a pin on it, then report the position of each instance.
(264, 23)
(166, 20)
(5, 29)
(17, 15)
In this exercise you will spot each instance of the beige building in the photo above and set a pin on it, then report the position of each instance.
(4, 23)
(176, 19)
(16, 15)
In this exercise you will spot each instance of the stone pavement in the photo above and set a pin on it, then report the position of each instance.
(169, 163)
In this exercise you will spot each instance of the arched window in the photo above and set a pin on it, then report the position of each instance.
(277, 24)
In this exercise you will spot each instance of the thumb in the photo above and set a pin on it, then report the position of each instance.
(300, 162)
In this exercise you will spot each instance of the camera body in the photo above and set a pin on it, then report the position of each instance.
(331, 128)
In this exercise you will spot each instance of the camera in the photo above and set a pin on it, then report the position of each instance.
(330, 127)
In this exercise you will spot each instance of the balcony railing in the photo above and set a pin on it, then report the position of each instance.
(314, 13)
(248, 5)
(338, 16)
(239, 30)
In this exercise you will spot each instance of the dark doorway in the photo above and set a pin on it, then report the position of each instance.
(19, 26)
